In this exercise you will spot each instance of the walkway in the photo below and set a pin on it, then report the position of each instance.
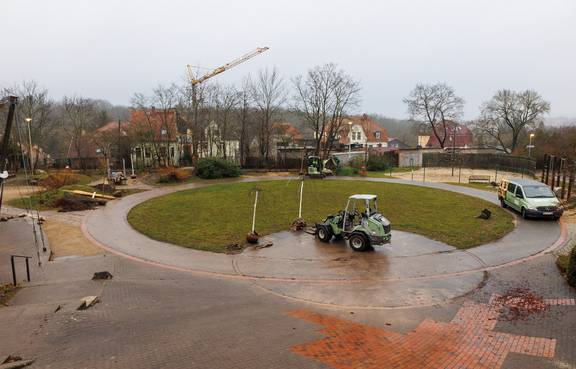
(412, 271)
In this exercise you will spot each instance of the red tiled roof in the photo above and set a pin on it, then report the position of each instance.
(463, 138)
(161, 123)
(368, 125)
(288, 130)
(113, 126)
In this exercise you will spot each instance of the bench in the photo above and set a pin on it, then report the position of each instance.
(479, 179)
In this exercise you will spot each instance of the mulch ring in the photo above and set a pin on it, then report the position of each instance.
(519, 304)
(74, 203)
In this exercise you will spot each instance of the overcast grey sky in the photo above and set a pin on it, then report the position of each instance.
(111, 49)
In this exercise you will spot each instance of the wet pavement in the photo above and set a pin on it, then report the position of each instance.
(151, 317)
(154, 316)
(412, 270)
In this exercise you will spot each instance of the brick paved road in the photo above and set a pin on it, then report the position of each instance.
(151, 317)
(155, 318)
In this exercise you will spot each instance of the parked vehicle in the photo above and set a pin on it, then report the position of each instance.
(360, 223)
(530, 198)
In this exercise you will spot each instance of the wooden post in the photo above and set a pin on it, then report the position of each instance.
(301, 192)
(563, 192)
(571, 180)
(254, 213)
(560, 164)
(544, 167)
(551, 170)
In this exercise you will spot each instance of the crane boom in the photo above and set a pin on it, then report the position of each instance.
(232, 64)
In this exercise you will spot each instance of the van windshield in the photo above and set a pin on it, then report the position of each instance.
(538, 192)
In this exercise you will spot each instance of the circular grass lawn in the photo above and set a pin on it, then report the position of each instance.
(212, 217)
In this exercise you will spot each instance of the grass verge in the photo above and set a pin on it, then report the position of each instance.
(212, 217)
(45, 200)
(7, 291)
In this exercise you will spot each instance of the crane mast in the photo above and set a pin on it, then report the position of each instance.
(194, 81)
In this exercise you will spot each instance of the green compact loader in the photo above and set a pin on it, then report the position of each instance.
(360, 224)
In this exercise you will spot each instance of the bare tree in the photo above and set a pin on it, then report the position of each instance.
(227, 99)
(36, 109)
(268, 94)
(79, 117)
(507, 115)
(324, 97)
(435, 105)
(245, 120)
(192, 105)
(159, 115)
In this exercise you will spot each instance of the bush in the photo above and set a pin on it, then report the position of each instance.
(171, 174)
(167, 175)
(354, 167)
(211, 168)
(357, 165)
(377, 163)
(344, 171)
(571, 270)
(60, 179)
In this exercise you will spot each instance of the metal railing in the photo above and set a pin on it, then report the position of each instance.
(12, 257)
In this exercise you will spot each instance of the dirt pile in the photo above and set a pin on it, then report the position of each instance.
(520, 304)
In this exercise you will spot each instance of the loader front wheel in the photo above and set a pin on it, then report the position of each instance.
(358, 242)
(324, 233)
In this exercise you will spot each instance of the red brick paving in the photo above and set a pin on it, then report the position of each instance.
(467, 342)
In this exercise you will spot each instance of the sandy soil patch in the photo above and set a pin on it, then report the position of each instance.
(445, 174)
(68, 240)
(12, 192)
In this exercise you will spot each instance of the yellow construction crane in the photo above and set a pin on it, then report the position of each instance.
(194, 81)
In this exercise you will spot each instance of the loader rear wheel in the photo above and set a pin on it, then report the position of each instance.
(358, 242)
(324, 234)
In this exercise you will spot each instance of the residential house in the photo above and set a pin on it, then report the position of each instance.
(457, 135)
(155, 137)
(220, 144)
(361, 132)
(395, 144)
(285, 135)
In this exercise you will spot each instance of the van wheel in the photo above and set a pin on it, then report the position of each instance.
(523, 212)
(358, 242)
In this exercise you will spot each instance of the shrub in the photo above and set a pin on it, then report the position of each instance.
(211, 168)
(182, 173)
(167, 175)
(377, 163)
(357, 165)
(571, 270)
(344, 171)
(60, 179)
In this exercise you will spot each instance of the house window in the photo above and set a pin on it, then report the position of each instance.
(377, 134)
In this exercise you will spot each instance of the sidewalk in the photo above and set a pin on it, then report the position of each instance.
(17, 238)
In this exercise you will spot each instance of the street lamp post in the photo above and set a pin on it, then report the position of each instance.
(530, 146)
(349, 140)
(30, 154)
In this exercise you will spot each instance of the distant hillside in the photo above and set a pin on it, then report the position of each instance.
(559, 121)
